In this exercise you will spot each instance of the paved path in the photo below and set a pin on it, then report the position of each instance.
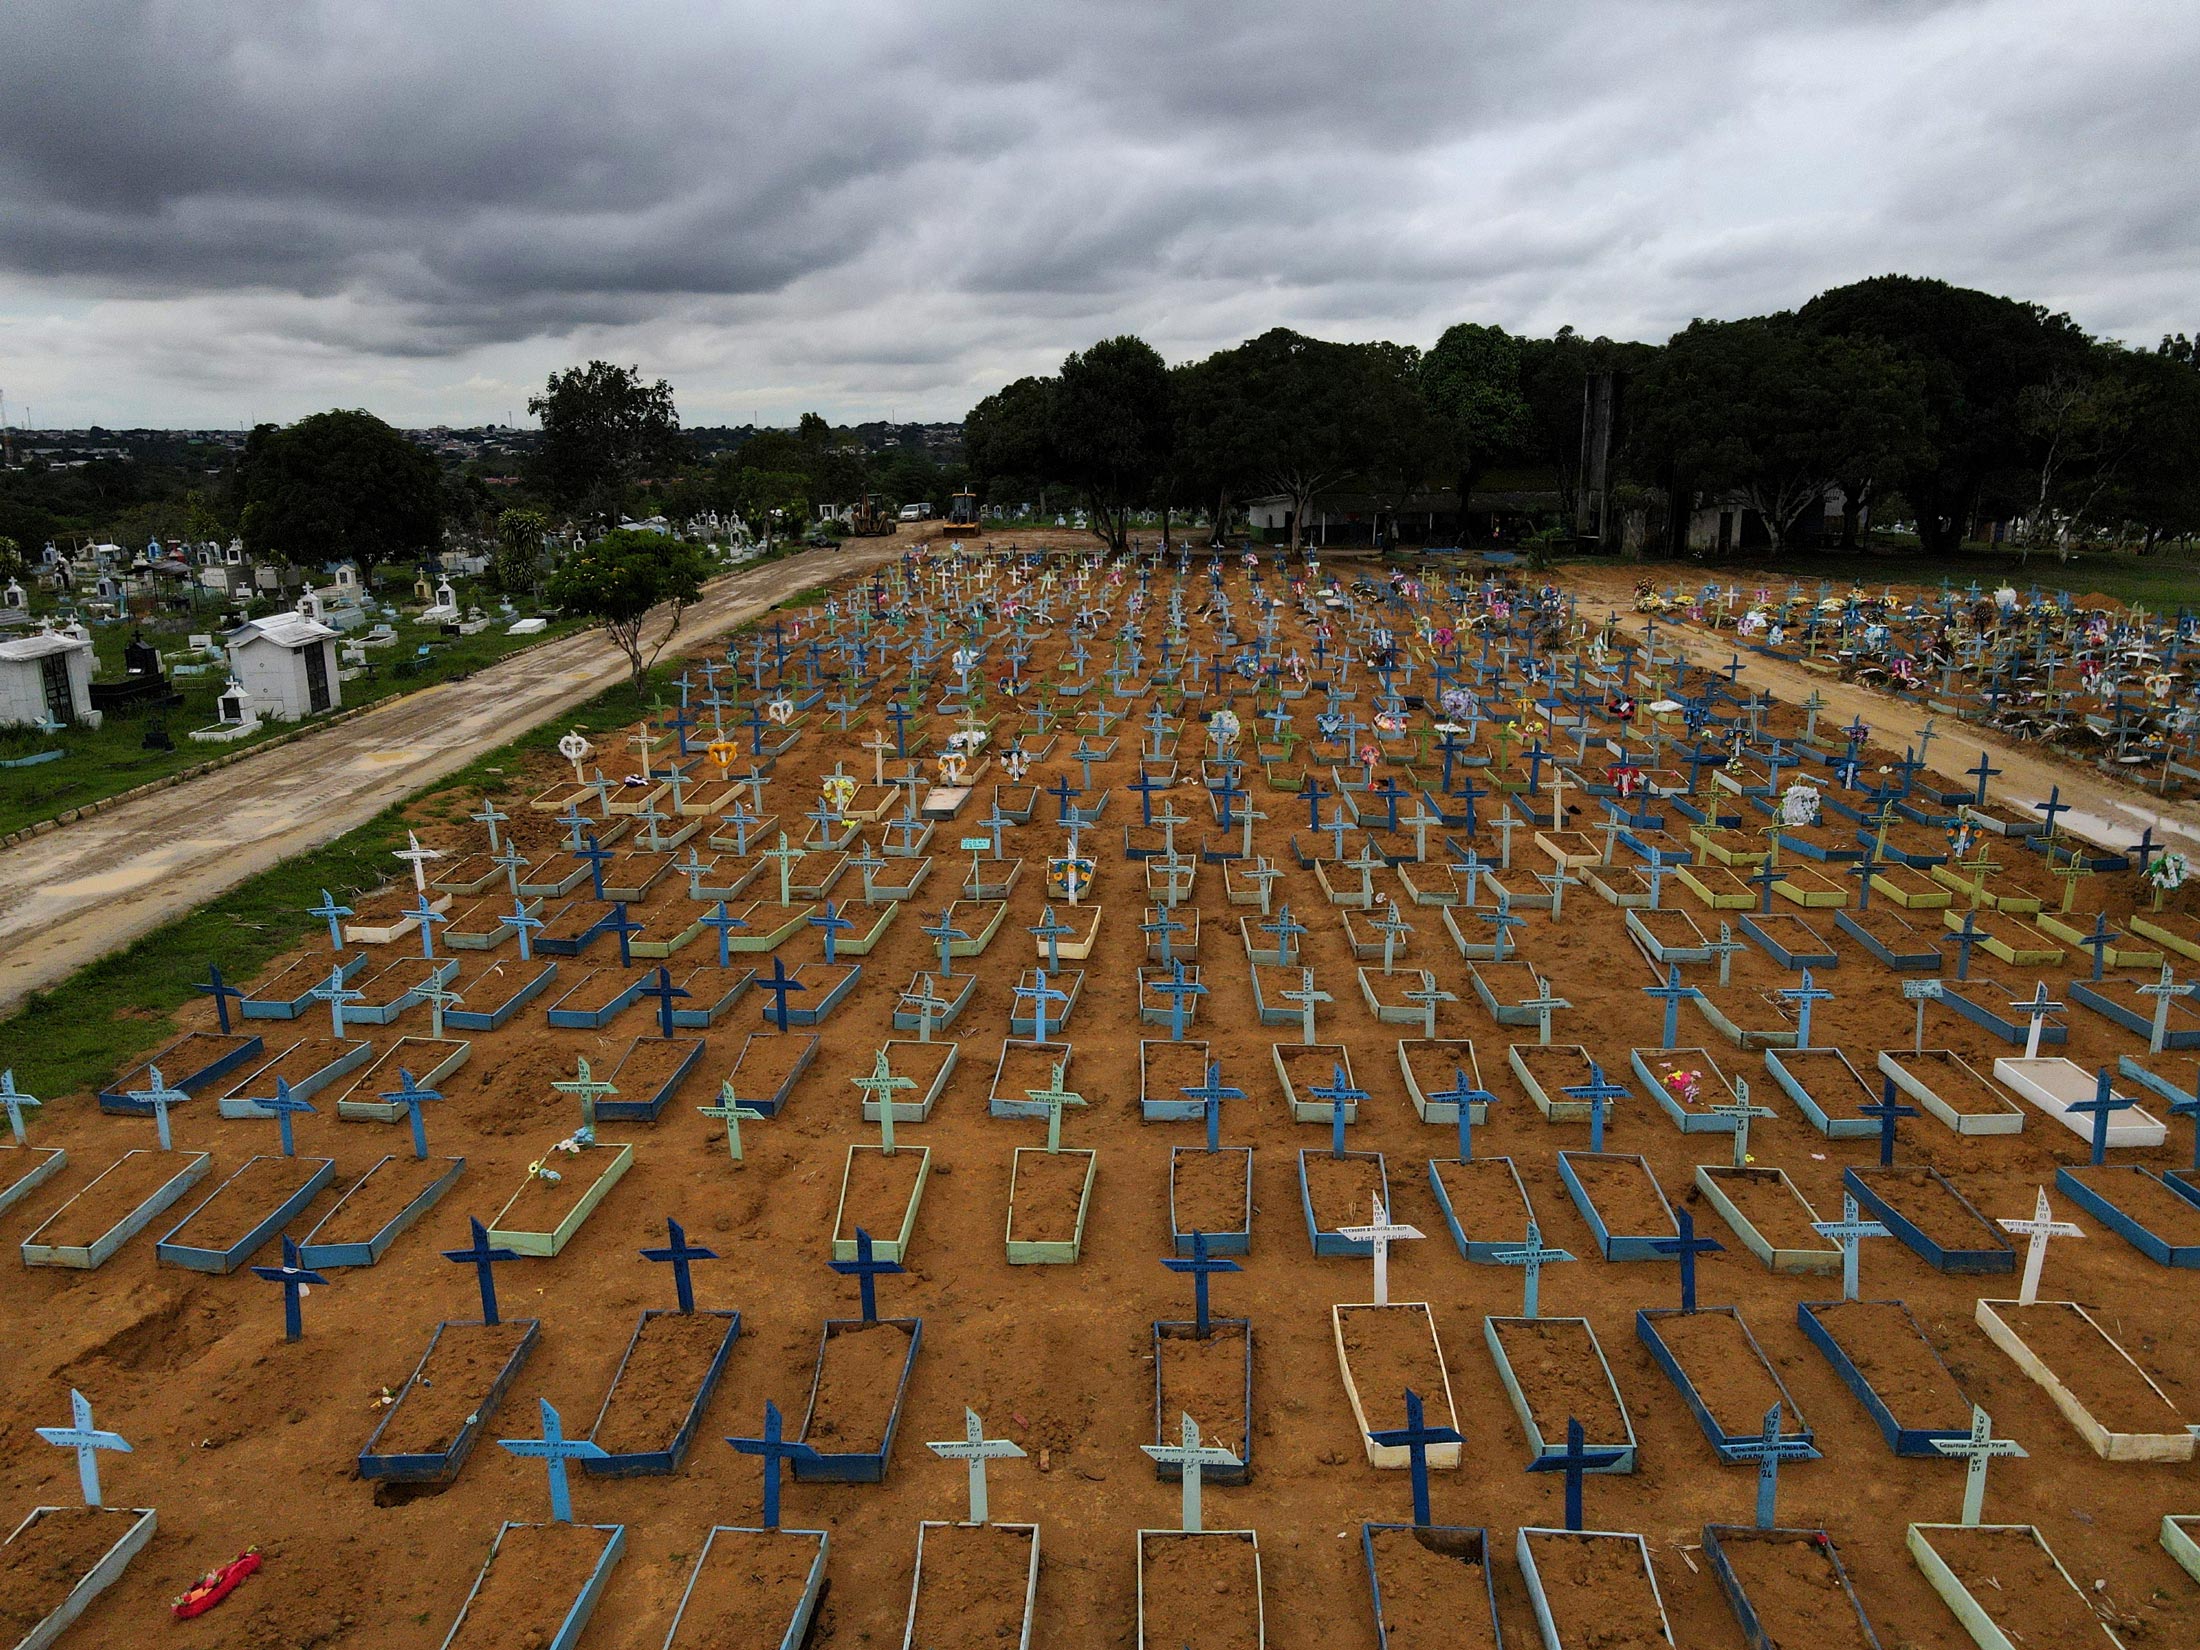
(74, 894)
(2103, 810)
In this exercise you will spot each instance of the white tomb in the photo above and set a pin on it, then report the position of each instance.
(46, 681)
(286, 665)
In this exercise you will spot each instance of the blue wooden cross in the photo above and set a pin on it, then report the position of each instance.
(482, 1256)
(283, 1104)
(1982, 773)
(1200, 1265)
(554, 1449)
(1162, 924)
(1685, 1246)
(1674, 994)
(1287, 930)
(1531, 1257)
(943, 930)
(2051, 807)
(332, 914)
(1178, 990)
(723, 923)
(221, 991)
(866, 1268)
(1576, 1462)
(680, 1255)
(1062, 791)
(1889, 1112)
(1464, 1097)
(1147, 788)
(1342, 1096)
(294, 1278)
(1768, 1450)
(597, 856)
(87, 1440)
(1416, 1438)
(425, 917)
(412, 1097)
(1599, 1092)
(833, 925)
(1803, 996)
(522, 922)
(1050, 931)
(336, 994)
(2100, 942)
(14, 1100)
(2106, 1102)
(1965, 938)
(1039, 994)
(1766, 875)
(780, 984)
(1849, 1232)
(160, 1097)
(666, 994)
(626, 928)
(1210, 1095)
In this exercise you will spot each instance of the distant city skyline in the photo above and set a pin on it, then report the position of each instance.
(221, 214)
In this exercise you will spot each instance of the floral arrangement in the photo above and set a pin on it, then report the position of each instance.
(1686, 1085)
(572, 1145)
(2168, 873)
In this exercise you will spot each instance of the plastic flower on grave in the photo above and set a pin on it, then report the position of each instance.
(1684, 1084)
(2168, 873)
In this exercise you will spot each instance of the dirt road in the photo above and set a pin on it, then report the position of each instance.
(73, 895)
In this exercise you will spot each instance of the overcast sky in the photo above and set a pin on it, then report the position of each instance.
(223, 211)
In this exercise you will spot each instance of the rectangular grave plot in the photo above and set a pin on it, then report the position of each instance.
(2118, 1000)
(2181, 1540)
(23, 1169)
(2138, 1206)
(1619, 1197)
(769, 1065)
(2006, 1586)
(1945, 1085)
(711, 991)
(1205, 1584)
(498, 993)
(655, 1403)
(1781, 1585)
(1304, 1067)
(1211, 1193)
(2054, 1085)
(263, 1196)
(980, 920)
(1022, 1067)
(1590, 1583)
(67, 1557)
(1484, 1205)
(1049, 1199)
(648, 1076)
(377, 1209)
(927, 1065)
(396, 986)
(1922, 1207)
(856, 1396)
(449, 1400)
(1023, 1016)
(308, 1065)
(1668, 936)
(953, 991)
(596, 997)
(520, 1598)
(1826, 1088)
(975, 1582)
(1335, 1192)
(192, 1062)
(2099, 1387)
(1686, 1083)
(751, 1585)
(542, 1217)
(1769, 1216)
(289, 994)
(428, 1059)
(1434, 1066)
(1883, 1355)
(1165, 1070)
(1441, 1590)
(1546, 1071)
(114, 1206)
(1791, 941)
(1382, 1351)
(1554, 1371)
(880, 1193)
(1210, 1380)
(1721, 1373)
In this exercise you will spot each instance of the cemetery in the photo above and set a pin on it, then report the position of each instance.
(1172, 1099)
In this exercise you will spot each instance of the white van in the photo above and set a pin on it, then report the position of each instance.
(916, 512)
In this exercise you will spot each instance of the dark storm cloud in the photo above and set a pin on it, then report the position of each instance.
(427, 206)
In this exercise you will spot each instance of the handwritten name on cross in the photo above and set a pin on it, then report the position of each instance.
(554, 1449)
(975, 1449)
(1975, 1450)
(1379, 1234)
(1190, 1457)
(2036, 1231)
(87, 1440)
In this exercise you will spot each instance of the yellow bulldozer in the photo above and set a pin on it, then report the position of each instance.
(962, 515)
(870, 518)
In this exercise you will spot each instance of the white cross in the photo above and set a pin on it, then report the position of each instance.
(418, 858)
(1977, 1448)
(2162, 990)
(2038, 1008)
(977, 1449)
(1380, 1234)
(2042, 1226)
(1192, 1459)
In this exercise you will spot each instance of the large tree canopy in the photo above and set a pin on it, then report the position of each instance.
(1472, 381)
(336, 485)
(1111, 429)
(622, 578)
(603, 429)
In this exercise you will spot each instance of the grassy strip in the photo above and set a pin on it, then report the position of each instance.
(75, 1037)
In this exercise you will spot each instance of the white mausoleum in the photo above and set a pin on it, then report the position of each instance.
(286, 664)
(46, 678)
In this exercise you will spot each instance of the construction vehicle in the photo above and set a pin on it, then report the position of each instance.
(962, 515)
(870, 518)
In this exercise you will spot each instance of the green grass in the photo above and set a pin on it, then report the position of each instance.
(2161, 582)
(72, 1039)
(112, 758)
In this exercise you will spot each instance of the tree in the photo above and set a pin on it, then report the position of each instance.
(515, 566)
(622, 578)
(1977, 354)
(1401, 440)
(1776, 414)
(1472, 381)
(1110, 430)
(13, 563)
(603, 429)
(339, 485)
